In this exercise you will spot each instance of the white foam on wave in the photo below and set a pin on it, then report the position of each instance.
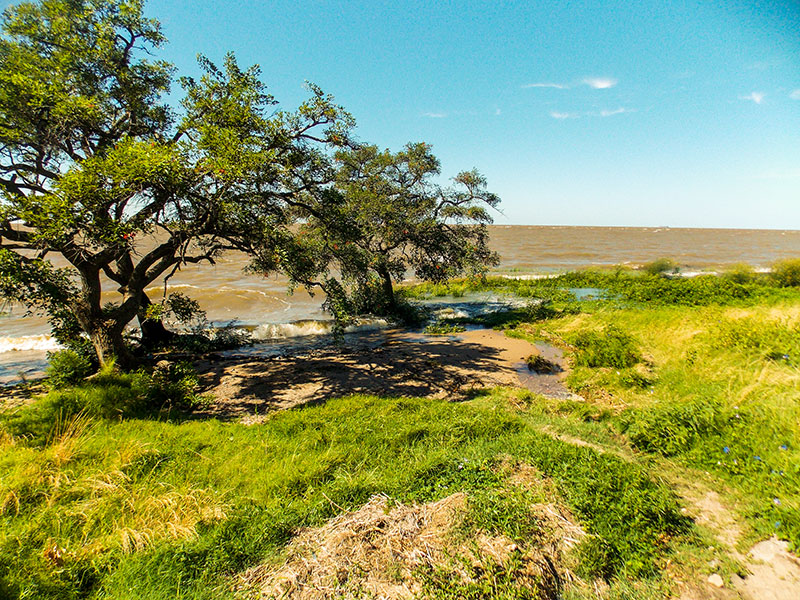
(367, 325)
(27, 343)
(451, 313)
(280, 331)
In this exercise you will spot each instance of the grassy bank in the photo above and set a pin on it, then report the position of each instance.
(702, 374)
(714, 388)
(154, 509)
(108, 490)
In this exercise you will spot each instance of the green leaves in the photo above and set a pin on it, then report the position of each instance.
(387, 215)
(34, 282)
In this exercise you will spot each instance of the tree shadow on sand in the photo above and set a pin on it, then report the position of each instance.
(404, 365)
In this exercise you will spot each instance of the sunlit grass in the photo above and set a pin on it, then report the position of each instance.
(139, 507)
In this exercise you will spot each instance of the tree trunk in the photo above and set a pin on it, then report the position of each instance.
(388, 288)
(154, 333)
(109, 345)
(104, 330)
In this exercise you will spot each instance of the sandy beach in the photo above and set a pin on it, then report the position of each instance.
(388, 363)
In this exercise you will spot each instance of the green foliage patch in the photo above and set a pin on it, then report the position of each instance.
(786, 272)
(609, 347)
(66, 367)
(444, 327)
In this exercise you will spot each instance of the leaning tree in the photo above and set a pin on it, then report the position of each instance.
(387, 215)
(104, 184)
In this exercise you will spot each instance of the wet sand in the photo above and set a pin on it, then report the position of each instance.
(388, 363)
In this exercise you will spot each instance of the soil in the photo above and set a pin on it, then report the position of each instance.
(773, 573)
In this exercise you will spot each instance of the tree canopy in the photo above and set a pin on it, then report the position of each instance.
(93, 160)
(387, 216)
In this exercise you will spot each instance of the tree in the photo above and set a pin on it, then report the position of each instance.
(102, 181)
(386, 215)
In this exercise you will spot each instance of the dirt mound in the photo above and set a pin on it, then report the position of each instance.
(385, 550)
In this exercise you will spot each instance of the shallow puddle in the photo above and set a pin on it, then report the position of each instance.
(550, 385)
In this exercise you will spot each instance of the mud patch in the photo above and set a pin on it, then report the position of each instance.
(387, 363)
(547, 382)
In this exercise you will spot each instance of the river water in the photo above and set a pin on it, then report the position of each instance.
(227, 294)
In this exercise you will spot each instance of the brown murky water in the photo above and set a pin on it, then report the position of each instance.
(227, 294)
(533, 248)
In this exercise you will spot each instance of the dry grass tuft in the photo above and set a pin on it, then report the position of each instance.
(382, 551)
(69, 434)
(374, 549)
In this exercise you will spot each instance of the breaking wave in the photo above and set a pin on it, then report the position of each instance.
(308, 327)
(27, 343)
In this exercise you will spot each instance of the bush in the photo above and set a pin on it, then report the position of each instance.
(541, 365)
(675, 428)
(444, 328)
(692, 291)
(740, 273)
(786, 273)
(610, 347)
(112, 395)
(66, 367)
(173, 384)
(661, 266)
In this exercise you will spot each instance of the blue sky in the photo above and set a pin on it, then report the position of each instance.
(579, 113)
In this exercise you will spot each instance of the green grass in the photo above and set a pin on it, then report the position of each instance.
(151, 509)
(720, 393)
(704, 371)
(632, 287)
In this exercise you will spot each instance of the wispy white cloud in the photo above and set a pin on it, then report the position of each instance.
(434, 115)
(795, 95)
(562, 115)
(497, 112)
(600, 83)
(558, 86)
(616, 111)
(603, 113)
(757, 97)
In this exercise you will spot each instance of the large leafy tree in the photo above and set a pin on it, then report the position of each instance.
(385, 216)
(103, 182)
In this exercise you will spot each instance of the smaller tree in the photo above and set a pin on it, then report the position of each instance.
(384, 216)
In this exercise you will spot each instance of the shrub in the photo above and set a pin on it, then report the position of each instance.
(631, 378)
(610, 347)
(740, 273)
(661, 266)
(786, 273)
(444, 328)
(541, 365)
(675, 428)
(66, 367)
(173, 384)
